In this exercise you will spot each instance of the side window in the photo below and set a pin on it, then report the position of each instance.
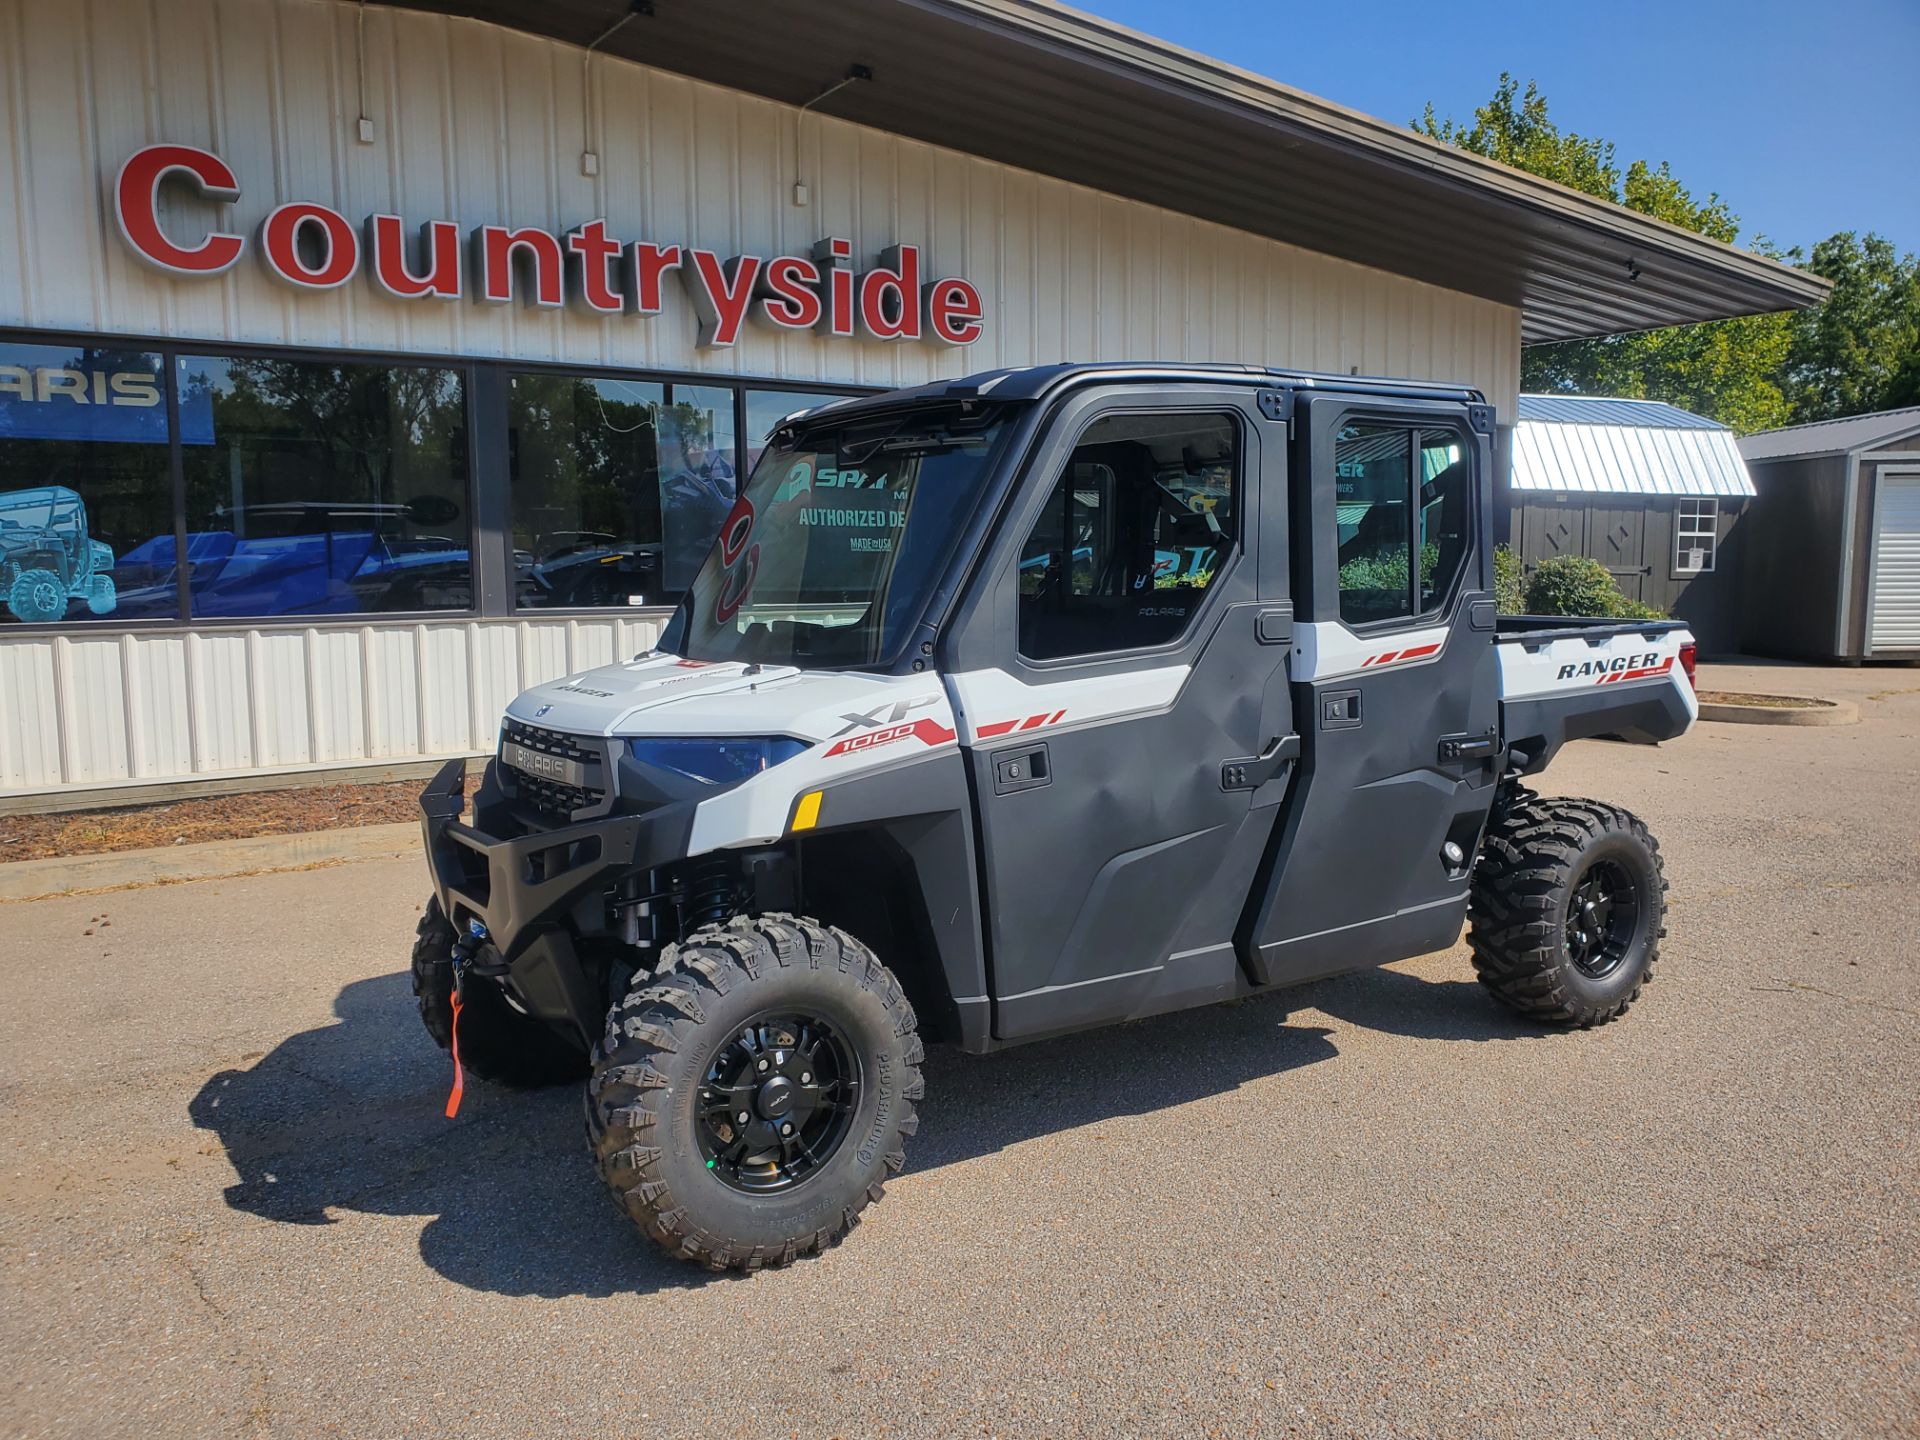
(1694, 533)
(1404, 510)
(1446, 515)
(1372, 466)
(1138, 524)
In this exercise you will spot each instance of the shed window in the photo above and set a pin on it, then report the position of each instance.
(1696, 525)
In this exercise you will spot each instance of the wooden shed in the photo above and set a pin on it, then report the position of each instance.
(1651, 491)
(1832, 548)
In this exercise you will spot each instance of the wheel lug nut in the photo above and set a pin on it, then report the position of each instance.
(743, 1117)
(806, 1077)
(763, 1065)
(786, 1129)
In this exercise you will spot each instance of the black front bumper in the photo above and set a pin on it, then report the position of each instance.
(526, 886)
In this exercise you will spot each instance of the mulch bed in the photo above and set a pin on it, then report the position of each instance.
(216, 817)
(1760, 702)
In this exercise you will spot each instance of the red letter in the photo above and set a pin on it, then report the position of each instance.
(591, 250)
(645, 265)
(439, 247)
(836, 256)
(890, 295)
(722, 295)
(137, 191)
(791, 295)
(954, 312)
(495, 246)
(280, 243)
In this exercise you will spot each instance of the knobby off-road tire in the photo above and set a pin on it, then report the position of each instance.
(1567, 909)
(740, 1010)
(497, 1042)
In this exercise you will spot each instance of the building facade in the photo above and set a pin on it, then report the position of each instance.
(361, 365)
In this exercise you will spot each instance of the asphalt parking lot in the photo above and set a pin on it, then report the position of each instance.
(230, 1205)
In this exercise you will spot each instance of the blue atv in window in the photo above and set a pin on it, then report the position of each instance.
(46, 559)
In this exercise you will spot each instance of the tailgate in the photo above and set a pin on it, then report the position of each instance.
(1572, 679)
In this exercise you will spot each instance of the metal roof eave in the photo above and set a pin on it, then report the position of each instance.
(1051, 90)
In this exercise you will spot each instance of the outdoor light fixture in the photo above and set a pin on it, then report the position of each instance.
(854, 72)
(590, 154)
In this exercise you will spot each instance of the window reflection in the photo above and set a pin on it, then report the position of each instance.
(583, 465)
(320, 488)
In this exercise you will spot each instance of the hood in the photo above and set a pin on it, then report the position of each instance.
(659, 694)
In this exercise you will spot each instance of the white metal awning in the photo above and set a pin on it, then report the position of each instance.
(1664, 457)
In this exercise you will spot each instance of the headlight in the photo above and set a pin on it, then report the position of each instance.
(718, 761)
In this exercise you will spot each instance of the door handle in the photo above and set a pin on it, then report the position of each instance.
(1024, 769)
(1255, 771)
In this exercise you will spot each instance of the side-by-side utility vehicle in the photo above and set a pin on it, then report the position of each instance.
(1014, 705)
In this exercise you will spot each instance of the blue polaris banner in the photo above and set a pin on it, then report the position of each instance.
(50, 392)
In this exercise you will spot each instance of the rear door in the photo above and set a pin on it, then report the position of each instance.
(1395, 685)
(1118, 676)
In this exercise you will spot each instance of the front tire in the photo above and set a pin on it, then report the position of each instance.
(37, 597)
(1567, 909)
(752, 1096)
(497, 1042)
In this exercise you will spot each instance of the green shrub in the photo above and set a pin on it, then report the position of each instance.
(1509, 582)
(1387, 570)
(1577, 585)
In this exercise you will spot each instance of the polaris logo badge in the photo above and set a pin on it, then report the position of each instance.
(1614, 666)
(543, 766)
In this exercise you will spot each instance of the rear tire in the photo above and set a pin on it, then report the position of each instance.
(1567, 909)
(497, 1042)
(790, 1023)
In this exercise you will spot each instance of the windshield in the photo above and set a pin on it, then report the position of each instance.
(832, 550)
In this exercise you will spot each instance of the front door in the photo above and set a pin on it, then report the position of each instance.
(1396, 688)
(1119, 681)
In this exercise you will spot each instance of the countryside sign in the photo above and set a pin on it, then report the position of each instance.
(312, 247)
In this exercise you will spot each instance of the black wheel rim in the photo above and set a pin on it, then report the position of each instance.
(1602, 915)
(777, 1102)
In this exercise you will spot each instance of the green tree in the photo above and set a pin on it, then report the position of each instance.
(1728, 369)
(1860, 351)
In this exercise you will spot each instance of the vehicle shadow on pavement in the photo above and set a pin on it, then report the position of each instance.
(349, 1117)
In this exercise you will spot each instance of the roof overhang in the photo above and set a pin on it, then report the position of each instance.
(1033, 84)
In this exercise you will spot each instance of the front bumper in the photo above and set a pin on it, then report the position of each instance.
(528, 886)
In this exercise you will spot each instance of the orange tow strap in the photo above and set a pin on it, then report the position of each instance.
(459, 1075)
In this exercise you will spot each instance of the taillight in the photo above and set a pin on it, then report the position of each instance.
(1687, 654)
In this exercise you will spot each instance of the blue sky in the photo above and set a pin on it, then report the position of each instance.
(1805, 117)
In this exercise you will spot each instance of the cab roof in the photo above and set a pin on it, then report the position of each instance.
(1036, 382)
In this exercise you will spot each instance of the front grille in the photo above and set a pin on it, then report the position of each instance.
(557, 799)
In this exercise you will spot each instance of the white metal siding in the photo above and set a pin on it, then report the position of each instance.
(1893, 584)
(106, 709)
(480, 125)
(483, 125)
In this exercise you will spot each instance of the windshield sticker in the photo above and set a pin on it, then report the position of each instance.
(736, 587)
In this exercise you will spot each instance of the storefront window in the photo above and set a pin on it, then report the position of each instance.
(619, 486)
(86, 488)
(583, 461)
(324, 488)
(697, 476)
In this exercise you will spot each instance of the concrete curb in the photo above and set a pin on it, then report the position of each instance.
(212, 860)
(1824, 712)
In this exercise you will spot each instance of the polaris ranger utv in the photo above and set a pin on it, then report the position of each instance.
(1014, 705)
